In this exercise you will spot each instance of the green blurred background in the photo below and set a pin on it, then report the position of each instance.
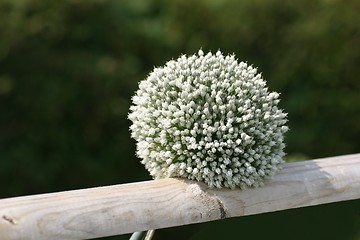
(68, 70)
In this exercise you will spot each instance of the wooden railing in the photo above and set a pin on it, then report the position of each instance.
(119, 209)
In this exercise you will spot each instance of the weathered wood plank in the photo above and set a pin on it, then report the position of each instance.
(126, 208)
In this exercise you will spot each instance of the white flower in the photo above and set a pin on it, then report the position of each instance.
(209, 118)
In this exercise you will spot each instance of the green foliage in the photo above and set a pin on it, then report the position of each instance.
(69, 68)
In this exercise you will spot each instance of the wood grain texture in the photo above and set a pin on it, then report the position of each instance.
(106, 211)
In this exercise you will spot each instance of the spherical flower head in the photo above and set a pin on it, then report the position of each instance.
(208, 118)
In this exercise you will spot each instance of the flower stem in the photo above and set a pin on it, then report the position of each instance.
(138, 235)
(144, 235)
(149, 234)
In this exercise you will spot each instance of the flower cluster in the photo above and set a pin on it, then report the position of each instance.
(210, 118)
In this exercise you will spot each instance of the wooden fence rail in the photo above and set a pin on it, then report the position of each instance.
(119, 209)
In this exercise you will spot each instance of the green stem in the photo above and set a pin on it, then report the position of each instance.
(138, 236)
